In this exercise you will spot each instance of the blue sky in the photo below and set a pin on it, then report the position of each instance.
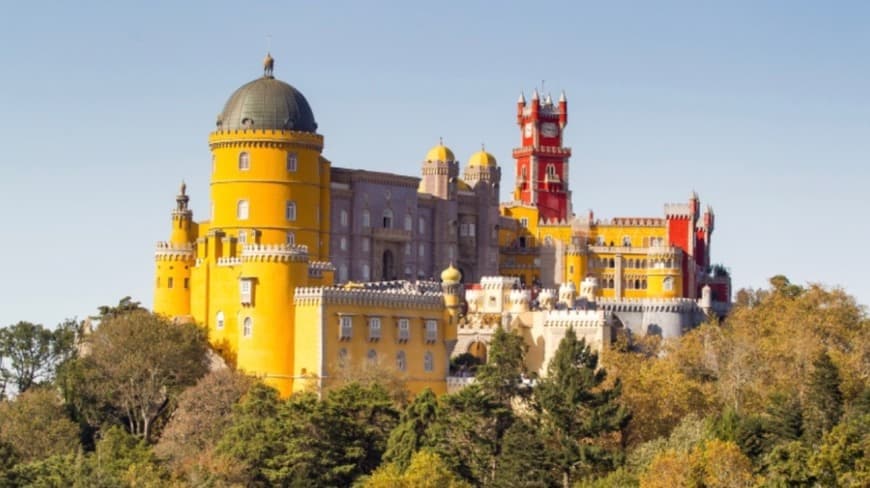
(760, 106)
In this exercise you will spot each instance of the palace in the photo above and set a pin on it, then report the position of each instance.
(304, 268)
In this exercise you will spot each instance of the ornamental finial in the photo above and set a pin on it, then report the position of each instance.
(268, 66)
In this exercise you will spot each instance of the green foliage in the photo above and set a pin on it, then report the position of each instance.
(469, 432)
(426, 470)
(786, 465)
(524, 460)
(843, 458)
(691, 432)
(824, 405)
(577, 412)
(412, 432)
(465, 363)
(502, 375)
(33, 352)
(35, 426)
(621, 478)
(137, 366)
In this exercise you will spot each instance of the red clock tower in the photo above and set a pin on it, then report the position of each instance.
(542, 161)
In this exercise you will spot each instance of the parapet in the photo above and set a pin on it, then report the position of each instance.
(393, 294)
(274, 253)
(674, 305)
(577, 319)
(498, 282)
(677, 210)
(167, 251)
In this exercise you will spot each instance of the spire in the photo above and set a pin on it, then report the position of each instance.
(535, 94)
(522, 99)
(181, 200)
(562, 97)
(268, 66)
(548, 100)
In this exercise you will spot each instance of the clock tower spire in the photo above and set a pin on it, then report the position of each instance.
(541, 160)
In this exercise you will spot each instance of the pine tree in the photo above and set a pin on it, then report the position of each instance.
(576, 412)
(524, 460)
(502, 375)
(412, 433)
(824, 399)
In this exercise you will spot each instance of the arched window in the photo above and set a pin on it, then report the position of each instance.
(243, 237)
(421, 226)
(291, 238)
(637, 284)
(291, 211)
(610, 283)
(242, 210)
(401, 363)
(611, 263)
(421, 251)
(372, 357)
(343, 218)
(428, 362)
(643, 284)
(244, 161)
(248, 327)
(409, 222)
(343, 243)
(219, 320)
(626, 241)
(388, 219)
(291, 162)
(366, 218)
(551, 171)
(342, 273)
(365, 272)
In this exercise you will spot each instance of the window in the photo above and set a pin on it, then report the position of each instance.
(366, 218)
(407, 249)
(342, 357)
(243, 237)
(374, 328)
(219, 320)
(428, 362)
(372, 357)
(668, 284)
(404, 329)
(170, 282)
(451, 253)
(471, 230)
(342, 243)
(524, 173)
(365, 244)
(291, 211)
(244, 161)
(248, 327)
(551, 171)
(524, 222)
(599, 241)
(342, 273)
(291, 162)
(343, 218)
(626, 241)
(345, 327)
(365, 272)
(242, 210)
(421, 251)
(245, 290)
(409, 223)
(431, 330)
(388, 219)
(291, 238)
(401, 363)
(421, 226)
(186, 283)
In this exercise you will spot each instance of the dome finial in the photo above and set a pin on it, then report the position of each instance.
(268, 66)
(183, 189)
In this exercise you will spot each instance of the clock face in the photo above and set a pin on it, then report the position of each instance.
(527, 129)
(549, 129)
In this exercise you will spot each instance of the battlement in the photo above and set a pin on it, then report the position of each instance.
(409, 295)
(498, 282)
(577, 318)
(520, 296)
(229, 261)
(167, 251)
(316, 268)
(674, 305)
(275, 253)
(678, 210)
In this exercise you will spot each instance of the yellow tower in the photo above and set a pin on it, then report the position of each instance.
(452, 287)
(269, 183)
(174, 260)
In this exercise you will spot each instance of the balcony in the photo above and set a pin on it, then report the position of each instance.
(393, 235)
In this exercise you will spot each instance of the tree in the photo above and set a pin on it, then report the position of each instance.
(502, 375)
(713, 464)
(34, 352)
(577, 412)
(412, 432)
(204, 411)
(426, 470)
(524, 460)
(787, 465)
(138, 364)
(468, 434)
(35, 426)
(124, 306)
(843, 458)
(824, 405)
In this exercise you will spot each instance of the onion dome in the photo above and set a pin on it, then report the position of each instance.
(440, 153)
(451, 274)
(267, 103)
(482, 158)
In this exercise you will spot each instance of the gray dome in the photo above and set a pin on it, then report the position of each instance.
(267, 103)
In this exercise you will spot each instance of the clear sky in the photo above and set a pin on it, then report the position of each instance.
(762, 107)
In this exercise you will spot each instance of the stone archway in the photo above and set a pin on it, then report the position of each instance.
(478, 350)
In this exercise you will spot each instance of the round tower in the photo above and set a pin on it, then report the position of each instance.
(452, 288)
(268, 176)
(174, 260)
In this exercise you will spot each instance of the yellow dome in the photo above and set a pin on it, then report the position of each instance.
(482, 158)
(451, 274)
(440, 153)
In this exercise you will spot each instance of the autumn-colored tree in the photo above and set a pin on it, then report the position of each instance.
(35, 426)
(714, 464)
(843, 458)
(138, 364)
(426, 470)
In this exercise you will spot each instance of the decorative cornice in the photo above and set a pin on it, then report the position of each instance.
(409, 295)
(274, 253)
(167, 251)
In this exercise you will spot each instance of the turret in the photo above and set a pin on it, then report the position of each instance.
(521, 105)
(563, 110)
(451, 286)
(174, 260)
(182, 218)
